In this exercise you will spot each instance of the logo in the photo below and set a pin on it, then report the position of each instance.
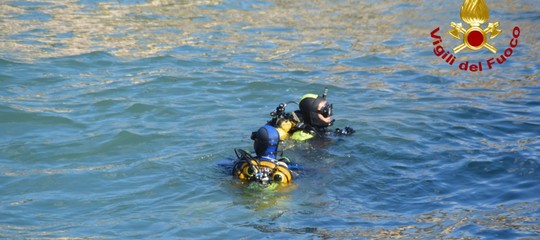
(475, 37)
(475, 13)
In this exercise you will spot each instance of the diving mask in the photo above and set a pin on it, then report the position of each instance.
(326, 110)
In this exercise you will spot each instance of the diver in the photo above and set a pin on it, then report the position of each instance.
(268, 166)
(313, 119)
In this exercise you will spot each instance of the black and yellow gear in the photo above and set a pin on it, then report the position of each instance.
(247, 168)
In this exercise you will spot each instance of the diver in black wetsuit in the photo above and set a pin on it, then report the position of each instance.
(311, 120)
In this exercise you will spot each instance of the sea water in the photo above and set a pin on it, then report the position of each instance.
(116, 115)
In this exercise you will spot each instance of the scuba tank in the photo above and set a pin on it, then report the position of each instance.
(250, 169)
(283, 121)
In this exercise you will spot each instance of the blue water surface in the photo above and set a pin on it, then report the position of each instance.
(115, 115)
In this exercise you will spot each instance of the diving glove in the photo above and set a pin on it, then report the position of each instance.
(346, 131)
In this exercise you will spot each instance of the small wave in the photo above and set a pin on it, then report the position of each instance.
(56, 171)
(325, 52)
(107, 102)
(140, 108)
(90, 60)
(5, 63)
(127, 139)
(369, 61)
(171, 61)
(37, 115)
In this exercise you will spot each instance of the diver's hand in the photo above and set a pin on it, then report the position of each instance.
(346, 131)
